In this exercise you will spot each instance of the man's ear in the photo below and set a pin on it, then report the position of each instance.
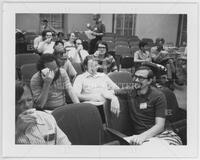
(150, 81)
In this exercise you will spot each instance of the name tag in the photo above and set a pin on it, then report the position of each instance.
(143, 105)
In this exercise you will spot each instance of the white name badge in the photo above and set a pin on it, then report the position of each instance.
(143, 105)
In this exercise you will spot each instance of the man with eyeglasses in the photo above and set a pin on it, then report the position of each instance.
(147, 106)
(59, 52)
(78, 55)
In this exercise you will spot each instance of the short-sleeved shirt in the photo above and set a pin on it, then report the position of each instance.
(140, 55)
(88, 84)
(56, 95)
(99, 28)
(46, 131)
(145, 108)
(69, 69)
(45, 48)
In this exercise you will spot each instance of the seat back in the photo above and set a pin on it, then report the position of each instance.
(123, 122)
(122, 79)
(26, 59)
(175, 115)
(81, 123)
(127, 62)
(78, 67)
(27, 71)
(123, 50)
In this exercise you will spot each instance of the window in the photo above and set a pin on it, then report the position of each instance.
(54, 20)
(125, 24)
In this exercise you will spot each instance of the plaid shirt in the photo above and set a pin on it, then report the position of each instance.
(46, 131)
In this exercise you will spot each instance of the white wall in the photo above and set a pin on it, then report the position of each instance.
(28, 22)
(107, 20)
(77, 22)
(157, 25)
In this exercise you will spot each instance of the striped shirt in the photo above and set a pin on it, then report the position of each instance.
(46, 131)
(56, 95)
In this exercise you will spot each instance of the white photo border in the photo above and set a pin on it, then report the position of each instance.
(8, 77)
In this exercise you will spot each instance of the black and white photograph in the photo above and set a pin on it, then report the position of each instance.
(100, 79)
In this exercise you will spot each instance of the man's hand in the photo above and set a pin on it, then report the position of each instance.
(136, 139)
(48, 78)
(115, 106)
(24, 120)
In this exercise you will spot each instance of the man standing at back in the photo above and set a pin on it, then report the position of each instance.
(98, 31)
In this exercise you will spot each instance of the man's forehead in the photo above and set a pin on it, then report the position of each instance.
(143, 72)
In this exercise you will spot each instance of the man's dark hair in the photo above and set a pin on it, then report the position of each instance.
(45, 21)
(142, 44)
(45, 58)
(103, 43)
(150, 74)
(57, 42)
(60, 33)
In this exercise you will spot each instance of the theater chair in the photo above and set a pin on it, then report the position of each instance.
(27, 71)
(122, 79)
(22, 59)
(78, 67)
(83, 126)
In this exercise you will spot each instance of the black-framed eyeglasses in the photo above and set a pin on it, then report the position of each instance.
(101, 47)
(140, 78)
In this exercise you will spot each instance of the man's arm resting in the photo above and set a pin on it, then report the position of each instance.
(72, 95)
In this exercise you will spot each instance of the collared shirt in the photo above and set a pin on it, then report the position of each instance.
(74, 56)
(45, 48)
(145, 108)
(88, 84)
(36, 42)
(140, 55)
(46, 131)
(56, 95)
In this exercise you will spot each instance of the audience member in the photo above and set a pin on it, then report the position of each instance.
(105, 60)
(147, 110)
(50, 84)
(70, 44)
(61, 37)
(33, 126)
(161, 56)
(94, 87)
(59, 52)
(78, 55)
(46, 27)
(98, 31)
(46, 46)
(38, 39)
(142, 55)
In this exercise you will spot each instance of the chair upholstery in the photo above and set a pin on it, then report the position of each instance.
(121, 78)
(81, 123)
(78, 67)
(127, 62)
(123, 50)
(27, 71)
(26, 59)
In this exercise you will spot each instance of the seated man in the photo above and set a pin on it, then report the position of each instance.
(142, 55)
(95, 87)
(59, 52)
(147, 106)
(32, 126)
(78, 54)
(160, 55)
(46, 46)
(51, 84)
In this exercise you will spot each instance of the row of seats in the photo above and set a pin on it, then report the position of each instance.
(82, 123)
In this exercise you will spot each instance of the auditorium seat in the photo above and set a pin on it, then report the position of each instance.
(82, 124)
(78, 67)
(27, 71)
